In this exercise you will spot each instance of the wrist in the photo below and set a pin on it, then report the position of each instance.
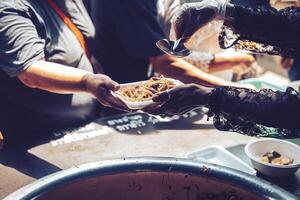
(207, 93)
(85, 82)
(229, 14)
(203, 94)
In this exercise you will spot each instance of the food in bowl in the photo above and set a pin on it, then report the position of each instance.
(275, 158)
(146, 90)
(254, 150)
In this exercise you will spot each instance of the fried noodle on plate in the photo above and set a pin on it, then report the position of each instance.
(146, 90)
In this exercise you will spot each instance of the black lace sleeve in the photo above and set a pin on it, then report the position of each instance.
(263, 113)
(263, 30)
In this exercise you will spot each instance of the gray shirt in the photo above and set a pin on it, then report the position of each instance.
(30, 30)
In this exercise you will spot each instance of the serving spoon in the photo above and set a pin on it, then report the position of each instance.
(173, 48)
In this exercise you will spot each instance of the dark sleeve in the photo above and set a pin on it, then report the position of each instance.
(133, 23)
(248, 111)
(278, 28)
(20, 44)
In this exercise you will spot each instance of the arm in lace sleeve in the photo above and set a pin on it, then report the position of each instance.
(268, 26)
(247, 111)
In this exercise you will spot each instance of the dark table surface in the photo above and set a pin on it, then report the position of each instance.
(130, 135)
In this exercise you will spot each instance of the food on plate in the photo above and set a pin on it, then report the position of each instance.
(146, 90)
(275, 158)
(246, 44)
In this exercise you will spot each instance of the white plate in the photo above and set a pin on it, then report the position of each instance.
(140, 105)
(220, 156)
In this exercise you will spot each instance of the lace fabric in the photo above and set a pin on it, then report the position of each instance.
(265, 113)
(263, 30)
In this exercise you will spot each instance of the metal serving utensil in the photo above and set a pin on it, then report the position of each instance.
(173, 48)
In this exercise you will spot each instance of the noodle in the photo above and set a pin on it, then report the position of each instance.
(145, 91)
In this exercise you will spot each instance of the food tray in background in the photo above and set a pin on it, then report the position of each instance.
(220, 156)
(142, 104)
(260, 84)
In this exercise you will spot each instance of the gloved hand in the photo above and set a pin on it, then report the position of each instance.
(180, 100)
(194, 14)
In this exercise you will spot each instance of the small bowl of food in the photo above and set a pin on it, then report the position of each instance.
(138, 95)
(274, 157)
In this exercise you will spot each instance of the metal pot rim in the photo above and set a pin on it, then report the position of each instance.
(161, 164)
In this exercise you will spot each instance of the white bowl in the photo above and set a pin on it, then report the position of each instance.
(256, 149)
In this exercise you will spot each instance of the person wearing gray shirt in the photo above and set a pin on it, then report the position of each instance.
(46, 78)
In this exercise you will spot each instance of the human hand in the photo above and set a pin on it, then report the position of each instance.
(100, 86)
(179, 100)
(194, 14)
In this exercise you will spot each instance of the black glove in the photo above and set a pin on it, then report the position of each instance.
(194, 14)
